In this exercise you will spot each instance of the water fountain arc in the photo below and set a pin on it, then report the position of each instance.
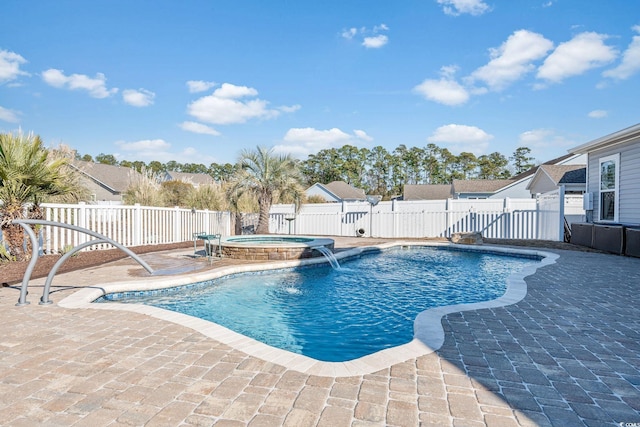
(329, 256)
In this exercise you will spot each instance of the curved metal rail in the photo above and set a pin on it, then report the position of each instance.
(36, 254)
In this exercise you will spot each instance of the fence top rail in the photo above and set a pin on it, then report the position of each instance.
(124, 207)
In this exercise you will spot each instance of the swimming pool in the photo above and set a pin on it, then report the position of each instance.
(338, 315)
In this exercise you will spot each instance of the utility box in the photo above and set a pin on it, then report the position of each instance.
(632, 242)
(587, 201)
(609, 238)
(582, 234)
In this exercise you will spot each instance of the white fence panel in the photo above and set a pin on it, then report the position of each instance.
(495, 218)
(550, 212)
(128, 225)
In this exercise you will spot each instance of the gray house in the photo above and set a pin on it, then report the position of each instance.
(336, 191)
(551, 177)
(106, 183)
(516, 187)
(426, 192)
(613, 176)
(195, 179)
(612, 199)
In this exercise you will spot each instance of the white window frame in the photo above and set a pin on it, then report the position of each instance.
(616, 190)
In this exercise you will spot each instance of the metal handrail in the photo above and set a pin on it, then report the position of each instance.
(36, 254)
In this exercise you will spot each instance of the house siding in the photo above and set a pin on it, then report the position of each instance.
(99, 192)
(629, 191)
(316, 190)
(515, 191)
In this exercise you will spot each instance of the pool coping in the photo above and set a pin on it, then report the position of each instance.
(428, 331)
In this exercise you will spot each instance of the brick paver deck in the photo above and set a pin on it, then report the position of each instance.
(566, 355)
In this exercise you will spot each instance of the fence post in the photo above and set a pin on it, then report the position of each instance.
(561, 214)
(137, 224)
(82, 221)
(507, 219)
(177, 224)
(447, 209)
(472, 220)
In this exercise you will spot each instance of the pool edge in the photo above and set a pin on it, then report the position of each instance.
(428, 332)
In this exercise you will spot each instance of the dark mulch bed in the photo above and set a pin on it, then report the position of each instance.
(13, 272)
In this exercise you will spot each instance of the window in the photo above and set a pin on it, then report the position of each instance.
(609, 183)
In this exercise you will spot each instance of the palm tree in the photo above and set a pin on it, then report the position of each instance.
(270, 178)
(28, 174)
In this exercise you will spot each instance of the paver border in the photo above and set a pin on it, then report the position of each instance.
(428, 331)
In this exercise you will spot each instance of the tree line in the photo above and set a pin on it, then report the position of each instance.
(376, 170)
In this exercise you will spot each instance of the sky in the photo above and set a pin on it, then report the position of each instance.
(199, 81)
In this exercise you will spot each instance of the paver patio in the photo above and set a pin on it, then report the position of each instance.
(568, 354)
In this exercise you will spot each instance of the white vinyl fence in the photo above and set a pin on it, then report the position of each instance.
(494, 218)
(128, 225)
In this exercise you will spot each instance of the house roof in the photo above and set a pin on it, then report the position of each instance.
(343, 191)
(566, 174)
(426, 191)
(115, 178)
(193, 178)
(576, 176)
(480, 185)
(619, 137)
(560, 174)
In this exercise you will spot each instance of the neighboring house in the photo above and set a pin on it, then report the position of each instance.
(613, 176)
(516, 187)
(478, 188)
(195, 179)
(105, 182)
(336, 191)
(551, 177)
(426, 192)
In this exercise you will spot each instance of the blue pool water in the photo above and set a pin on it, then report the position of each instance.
(338, 315)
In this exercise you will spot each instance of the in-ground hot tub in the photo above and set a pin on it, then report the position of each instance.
(273, 247)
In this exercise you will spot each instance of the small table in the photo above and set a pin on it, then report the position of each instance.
(207, 240)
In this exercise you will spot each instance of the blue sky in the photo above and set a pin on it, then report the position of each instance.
(198, 81)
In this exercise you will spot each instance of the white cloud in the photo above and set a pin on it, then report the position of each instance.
(95, 86)
(360, 134)
(145, 145)
(301, 142)
(630, 60)
(289, 109)
(446, 90)
(547, 4)
(10, 66)
(370, 38)
(541, 140)
(198, 128)
(138, 98)
(10, 116)
(227, 90)
(350, 33)
(598, 114)
(580, 54)
(513, 59)
(461, 138)
(375, 42)
(458, 7)
(226, 106)
(160, 150)
(199, 85)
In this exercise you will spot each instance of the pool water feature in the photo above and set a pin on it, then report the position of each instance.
(368, 305)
